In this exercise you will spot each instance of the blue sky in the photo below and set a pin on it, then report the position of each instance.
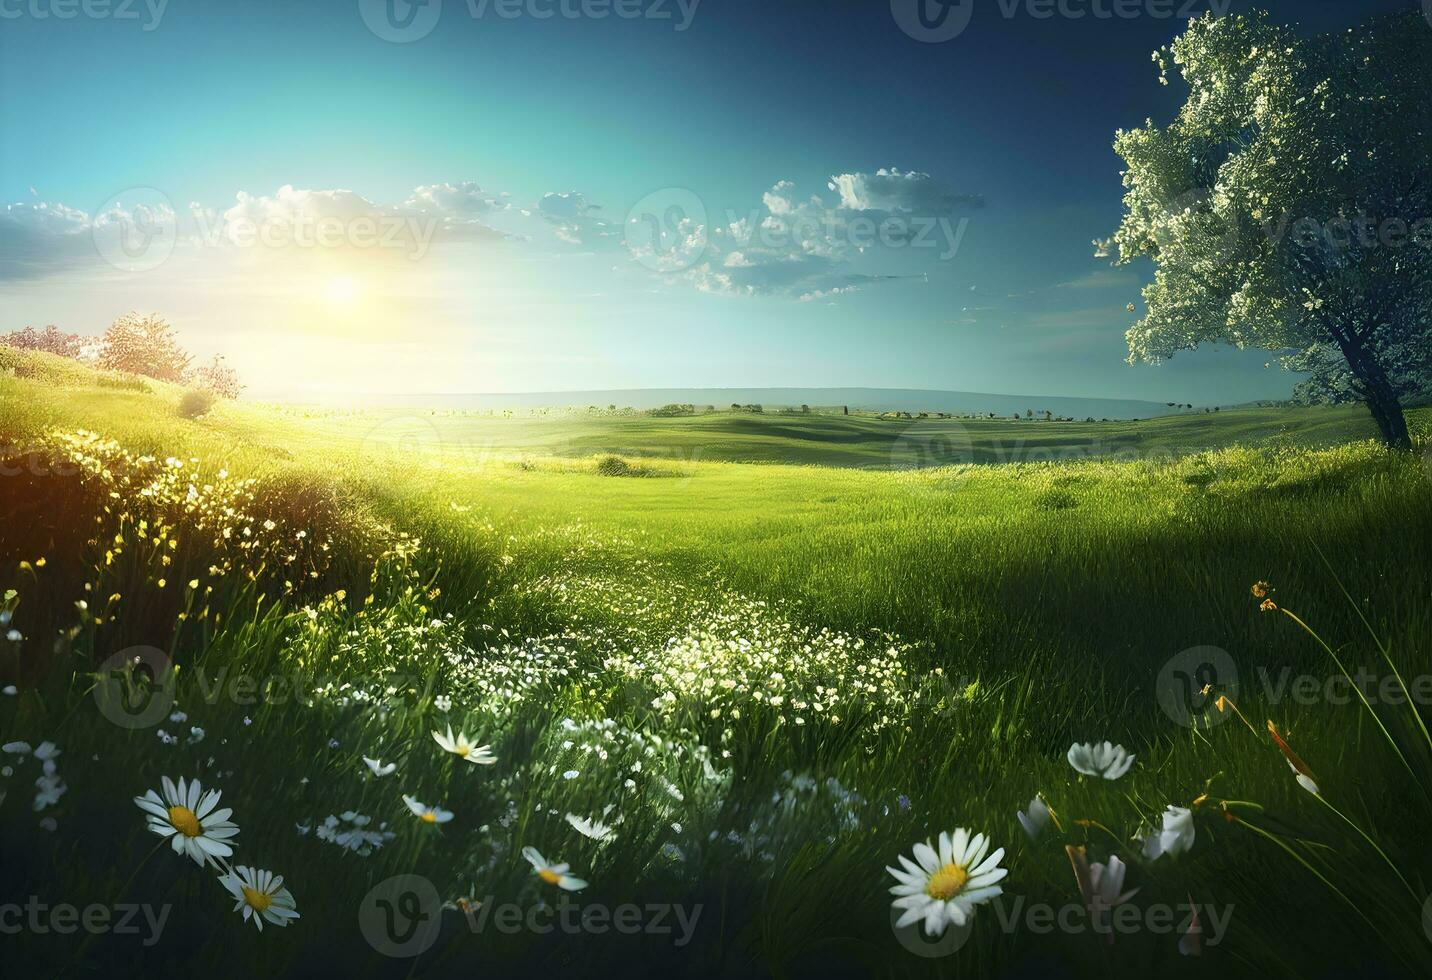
(500, 159)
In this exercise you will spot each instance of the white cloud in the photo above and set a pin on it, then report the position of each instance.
(895, 191)
(808, 248)
(790, 244)
(465, 198)
(825, 293)
(343, 218)
(40, 239)
(778, 199)
(575, 220)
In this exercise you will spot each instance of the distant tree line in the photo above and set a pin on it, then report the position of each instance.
(134, 344)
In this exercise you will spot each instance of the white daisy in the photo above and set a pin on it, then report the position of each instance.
(943, 886)
(594, 829)
(462, 746)
(1102, 887)
(552, 874)
(187, 815)
(377, 767)
(1175, 838)
(1103, 759)
(261, 895)
(428, 814)
(1037, 820)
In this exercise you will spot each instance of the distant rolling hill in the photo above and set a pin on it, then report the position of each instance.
(856, 399)
(860, 441)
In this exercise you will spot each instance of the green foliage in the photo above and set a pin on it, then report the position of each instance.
(611, 465)
(672, 411)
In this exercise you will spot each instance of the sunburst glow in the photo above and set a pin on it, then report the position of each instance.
(342, 290)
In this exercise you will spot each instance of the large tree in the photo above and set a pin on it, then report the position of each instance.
(1289, 206)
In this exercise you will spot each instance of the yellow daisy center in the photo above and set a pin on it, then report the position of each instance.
(946, 882)
(184, 821)
(462, 747)
(430, 817)
(257, 900)
(549, 876)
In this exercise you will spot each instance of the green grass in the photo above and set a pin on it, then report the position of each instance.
(964, 623)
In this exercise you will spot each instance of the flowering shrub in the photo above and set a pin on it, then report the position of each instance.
(143, 345)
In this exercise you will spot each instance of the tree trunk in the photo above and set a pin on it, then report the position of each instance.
(1377, 392)
(1386, 410)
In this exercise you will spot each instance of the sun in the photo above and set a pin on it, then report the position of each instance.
(341, 290)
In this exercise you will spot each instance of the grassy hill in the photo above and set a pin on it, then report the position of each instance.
(816, 662)
(861, 441)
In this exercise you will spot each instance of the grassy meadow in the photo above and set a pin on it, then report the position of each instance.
(754, 658)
